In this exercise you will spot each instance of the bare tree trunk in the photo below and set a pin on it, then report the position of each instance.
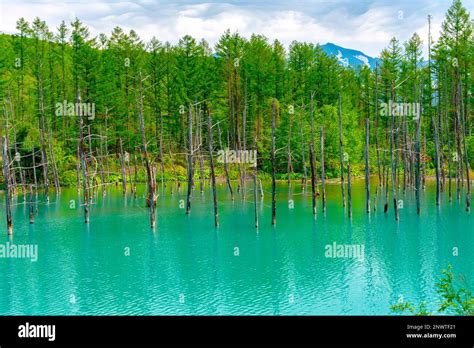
(211, 164)
(174, 171)
(458, 165)
(53, 166)
(437, 161)
(102, 170)
(199, 141)
(313, 178)
(377, 124)
(84, 172)
(367, 174)
(290, 164)
(349, 197)
(190, 158)
(226, 171)
(31, 208)
(6, 176)
(162, 164)
(312, 131)
(273, 163)
(244, 125)
(303, 160)
(151, 180)
(44, 157)
(122, 165)
(405, 153)
(135, 176)
(90, 178)
(417, 152)
(423, 178)
(78, 169)
(18, 163)
(255, 197)
(106, 146)
(323, 176)
(460, 112)
(34, 176)
(340, 153)
(132, 186)
(255, 187)
(392, 161)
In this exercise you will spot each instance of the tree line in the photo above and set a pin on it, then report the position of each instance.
(248, 85)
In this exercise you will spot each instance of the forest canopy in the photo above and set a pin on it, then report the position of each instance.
(46, 72)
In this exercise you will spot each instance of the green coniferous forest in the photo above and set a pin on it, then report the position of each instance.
(83, 111)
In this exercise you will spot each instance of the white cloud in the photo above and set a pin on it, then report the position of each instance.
(366, 25)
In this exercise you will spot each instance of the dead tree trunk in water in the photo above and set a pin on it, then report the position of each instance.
(162, 159)
(190, 159)
(78, 169)
(377, 152)
(460, 112)
(437, 161)
(6, 178)
(33, 154)
(135, 176)
(15, 145)
(367, 174)
(392, 160)
(211, 164)
(244, 141)
(323, 175)
(85, 177)
(417, 153)
(102, 171)
(448, 139)
(130, 180)
(31, 208)
(313, 178)
(106, 147)
(90, 178)
(349, 196)
(255, 197)
(311, 116)
(53, 165)
(122, 165)
(340, 153)
(174, 171)
(226, 171)
(303, 159)
(255, 187)
(199, 142)
(44, 157)
(150, 176)
(290, 164)
(273, 163)
(423, 178)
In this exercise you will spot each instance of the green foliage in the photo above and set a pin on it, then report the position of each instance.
(40, 68)
(454, 298)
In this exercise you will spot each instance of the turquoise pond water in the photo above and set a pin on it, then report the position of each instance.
(188, 267)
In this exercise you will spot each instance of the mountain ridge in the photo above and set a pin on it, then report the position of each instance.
(348, 56)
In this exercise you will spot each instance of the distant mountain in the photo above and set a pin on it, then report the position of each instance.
(349, 57)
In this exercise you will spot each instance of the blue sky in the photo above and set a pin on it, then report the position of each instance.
(366, 25)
